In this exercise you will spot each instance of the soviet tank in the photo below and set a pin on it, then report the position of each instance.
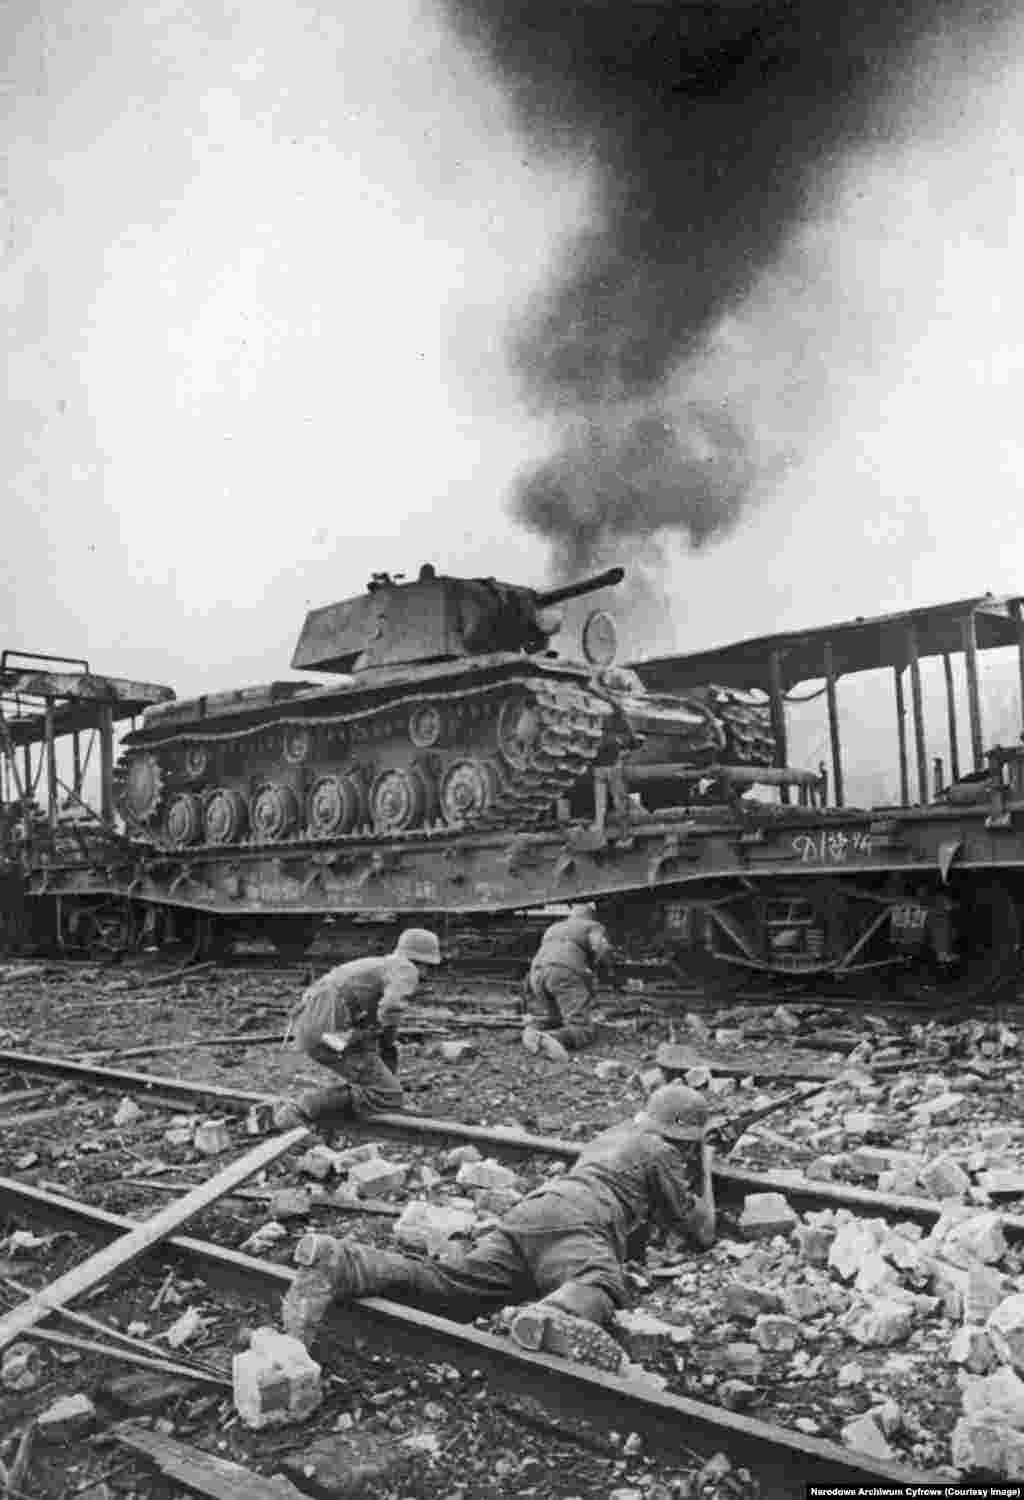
(447, 708)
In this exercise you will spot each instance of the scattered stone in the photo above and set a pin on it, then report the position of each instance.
(864, 1434)
(456, 1051)
(729, 1036)
(609, 1068)
(212, 1137)
(802, 1302)
(376, 1177)
(184, 1328)
(651, 1079)
(766, 1215)
(942, 1109)
(987, 1447)
(972, 1348)
(861, 1122)
(808, 1425)
(853, 1243)
(1005, 1327)
(143, 1391)
(365, 1151)
(67, 1418)
(126, 1114)
(875, 1274)
(999, 1396)
(944, 1178)
(498, 1201)
(815, 1242)
(275, 1380)
(822, 1168)
(776, 1332)
(20, 1368)
(290, 1203)
(1003, 1182)
(883, 1321)
(431, 1227)
(744, 1300)
(486, 1174)
(849, 1374)
(698, 1078)
(983, 1292)
(645, 1334)
(976, 1238)
(744, 1360)
(901, 1182)
(319, 1162)
(179, 1135)
(260, 1119)
(458, 1156)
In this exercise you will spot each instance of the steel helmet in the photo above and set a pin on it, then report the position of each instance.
(676, 1112)
(419, 946)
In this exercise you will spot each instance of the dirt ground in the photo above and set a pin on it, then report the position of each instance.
(467, 1443)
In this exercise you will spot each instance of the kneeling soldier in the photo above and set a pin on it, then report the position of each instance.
(348, 1023)
(562, 983)
(565, 1243)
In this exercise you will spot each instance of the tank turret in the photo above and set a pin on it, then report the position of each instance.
(434, 618)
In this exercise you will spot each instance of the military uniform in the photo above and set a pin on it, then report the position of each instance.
(562, 985)
(566, 1242)
(366, 997)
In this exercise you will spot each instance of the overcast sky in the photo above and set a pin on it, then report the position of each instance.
(259, 264)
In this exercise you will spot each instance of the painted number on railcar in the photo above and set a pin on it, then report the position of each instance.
(831, 848)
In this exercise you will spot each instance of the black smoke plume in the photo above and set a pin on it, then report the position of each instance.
(711, 130)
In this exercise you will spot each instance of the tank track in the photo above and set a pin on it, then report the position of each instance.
(522, 782)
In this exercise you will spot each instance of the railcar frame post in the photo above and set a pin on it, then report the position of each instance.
(1017, 614)
(778, 712)
(833, 725)
(969, 633)
(954, 748)
(917, 700)
(106, 728)
(51, 767)
(901, 730)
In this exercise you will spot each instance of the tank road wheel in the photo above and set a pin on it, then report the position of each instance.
(184, 822)
(141, 787)
(984, 952)
(274, 813)
(337, 804)
(399, 800)
(224, 816)
(425, 725)
(468, 791)
(518, 732)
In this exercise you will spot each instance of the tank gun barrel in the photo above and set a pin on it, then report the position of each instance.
(584, 586)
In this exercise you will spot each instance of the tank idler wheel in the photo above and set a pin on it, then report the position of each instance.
(399, 800)
(518, 732)
(225, 816)
(426, 725)
(336, 804)
(142, 785)
(275, 812)
(468, 791)
(184, 822)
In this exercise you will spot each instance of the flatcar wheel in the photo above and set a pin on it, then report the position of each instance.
(225, 816)
(468, 791)
(399, 800)
(986, 946)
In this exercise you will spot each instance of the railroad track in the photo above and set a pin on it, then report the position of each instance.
(731, 1183)
(784, 1461)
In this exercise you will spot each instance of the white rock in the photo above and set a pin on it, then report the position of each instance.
(999, 1396)
(609, 1068)
(884, 1321)
(212, 1137)
(275, 1380)
(1003, 1182)
(864, 1434)
(456, 1051)
(67, 1418)
(944, 1178)
(988, 1446)
(127, 1113)
(487, 1174)
(1005, 1327)
(188, 1326)
(972, 1348)
(459, 1155)
(766, 1215)
(849, 1374)
(977, 1238)
(376, 1177)
(889, 1418)
(942, 1109)
(853, 1243)
(875, 1274)
(776, 1332)
(983, 1292)
(431, 1226)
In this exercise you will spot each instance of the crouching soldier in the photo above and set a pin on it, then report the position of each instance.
(566, 1243)
(562, 983)
(348, 1022)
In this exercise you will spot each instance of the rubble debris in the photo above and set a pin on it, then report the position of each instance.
(456, 1051)
(146, 1391)
(20, 1368)
(882, 1321)
(290, 1203)
(944, 1178)
(972, 1348)
(487, 1173)
(212, 1137)
(376, 1176)
(275, 1380)
(766, 1215)
(746, 1300)
(265, 1238)
(776, 1332)
(347, 1464)
(1005, 1327)
(432, 1226)
(864, 1434)
(459, 1155)
(188, 1326)
(127, 1113)
(68, 1417)
(988, 1447)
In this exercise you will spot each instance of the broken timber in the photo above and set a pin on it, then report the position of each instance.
(132, 1246)
(204, 1473)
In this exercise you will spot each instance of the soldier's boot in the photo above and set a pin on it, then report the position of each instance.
(323, 1109)
(542, 1042)
(568, 1323)
(334, 1270)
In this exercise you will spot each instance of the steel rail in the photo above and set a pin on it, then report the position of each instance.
(784, 1461)
(731, 1183)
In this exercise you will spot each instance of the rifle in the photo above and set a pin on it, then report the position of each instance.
(724, 1134)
